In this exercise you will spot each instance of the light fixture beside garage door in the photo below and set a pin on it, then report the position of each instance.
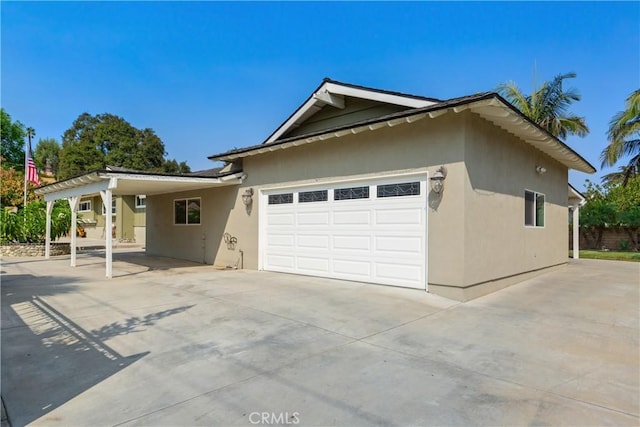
(247, 197)
(437, 180)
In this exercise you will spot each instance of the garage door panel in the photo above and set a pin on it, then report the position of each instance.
(312, 218)
(352, 217)
(375, 240)
(406, 274)
(313, 264)
(313, 241)
(351, 242)
(399, 244)
(398, 217)
(352, 268)
(281, 240)
(285, 218)
(281, 262)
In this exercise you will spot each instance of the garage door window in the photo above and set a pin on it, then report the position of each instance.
(402, 189)
(351, 193)
(280, 199)
(186, 212)
(312, 196)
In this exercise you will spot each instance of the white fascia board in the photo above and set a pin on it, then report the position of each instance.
(387, 98)
(293, 119)
(78, 191)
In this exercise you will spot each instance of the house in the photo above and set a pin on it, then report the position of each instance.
(129, 217)
(459, 197)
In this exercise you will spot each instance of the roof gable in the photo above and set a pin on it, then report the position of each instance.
(345, 103)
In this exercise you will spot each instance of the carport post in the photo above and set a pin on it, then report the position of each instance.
(108, 241)
(576, 231)
(47, 242)
(73, 204)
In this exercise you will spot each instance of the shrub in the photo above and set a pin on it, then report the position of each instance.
(28, 225)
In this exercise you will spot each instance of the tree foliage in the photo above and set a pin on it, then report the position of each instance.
(548, 106)
(12, 188)
(28, 225)
(93, 142)
(624, 138)
(612, 205)
(12, 144)
(47, 153)
(172, 166)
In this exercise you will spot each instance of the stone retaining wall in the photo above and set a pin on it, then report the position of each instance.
(33, 249)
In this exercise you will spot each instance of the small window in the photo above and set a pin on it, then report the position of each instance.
(312, 196)
(84, 206)
(533, 209)
(280, 199)
(351, 193)
(141, 201)
(186, 212)
(113, 208)
(397, 190)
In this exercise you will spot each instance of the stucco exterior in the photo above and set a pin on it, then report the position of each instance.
(477, 240)
(129, 221)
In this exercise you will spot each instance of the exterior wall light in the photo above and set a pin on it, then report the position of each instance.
(437, 180)
(541, 170)
(247, 197)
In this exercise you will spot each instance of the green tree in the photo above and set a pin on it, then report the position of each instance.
(548, 106)
(12, 144)
(172, 166)
(624, 138)
(47, 154)
(612, 205)
(12, 188)
(93, 142)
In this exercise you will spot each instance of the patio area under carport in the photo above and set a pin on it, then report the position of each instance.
(110, 183)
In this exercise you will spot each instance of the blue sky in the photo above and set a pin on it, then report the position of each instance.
(210, 76)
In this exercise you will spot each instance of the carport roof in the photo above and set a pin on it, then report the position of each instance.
(132, 183)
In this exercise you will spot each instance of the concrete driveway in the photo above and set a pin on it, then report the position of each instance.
(174, 343)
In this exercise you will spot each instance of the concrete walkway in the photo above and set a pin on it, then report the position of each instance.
(176, 343)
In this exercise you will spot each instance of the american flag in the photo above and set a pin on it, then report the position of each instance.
(32, 171)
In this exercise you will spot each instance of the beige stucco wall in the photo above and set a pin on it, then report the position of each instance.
(476, 229)
(499, 169)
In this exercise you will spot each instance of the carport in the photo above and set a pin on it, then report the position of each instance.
(109, 183)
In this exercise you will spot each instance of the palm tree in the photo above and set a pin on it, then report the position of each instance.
(624, 138)
(548, 106)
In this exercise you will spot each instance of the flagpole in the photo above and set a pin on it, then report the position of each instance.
(26, 166)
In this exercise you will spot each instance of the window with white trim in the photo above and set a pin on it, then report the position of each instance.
(141, 201)
(84, 206)
(186, 211)
(533, 209)
(113, 208)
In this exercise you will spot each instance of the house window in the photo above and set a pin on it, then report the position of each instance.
(402, 189)
(280, 199)
(533, 209)
(141, 201)
(351, 193)
(84, 206)
(312, 196)
(113, 208)
(186, 211)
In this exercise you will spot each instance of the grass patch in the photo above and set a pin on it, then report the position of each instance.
(611, 255)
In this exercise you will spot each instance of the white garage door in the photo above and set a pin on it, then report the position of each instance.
(371, 232)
